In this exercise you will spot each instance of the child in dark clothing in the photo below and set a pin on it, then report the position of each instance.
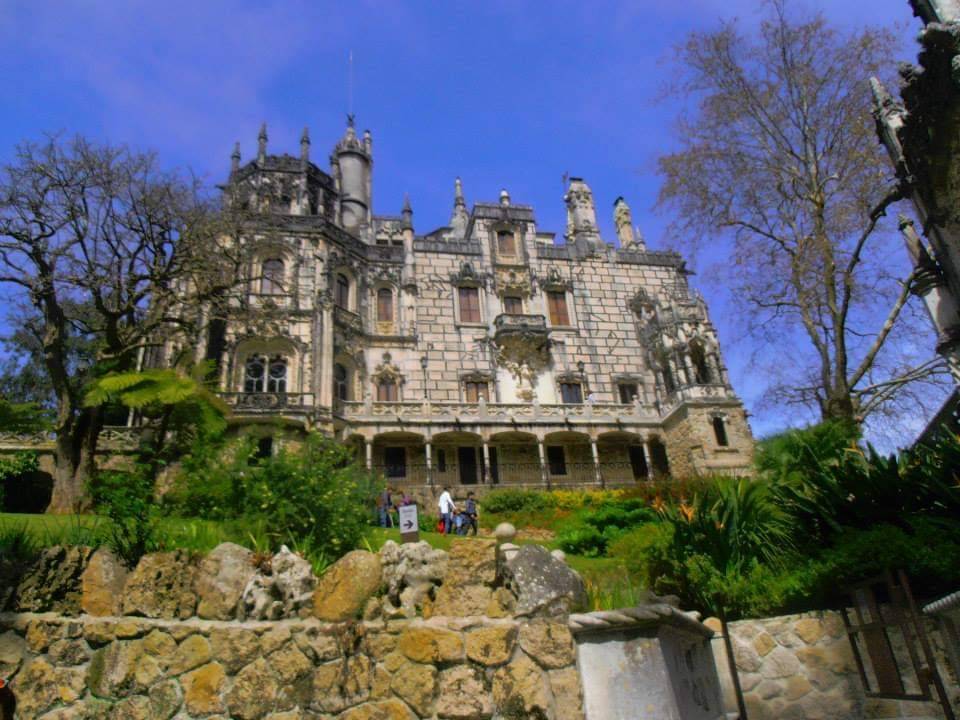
(470, 514)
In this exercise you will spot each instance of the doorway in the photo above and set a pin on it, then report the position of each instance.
(467, 459)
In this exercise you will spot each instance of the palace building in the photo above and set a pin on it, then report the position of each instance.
(486, 351)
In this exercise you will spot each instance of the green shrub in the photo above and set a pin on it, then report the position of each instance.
(501, 501)
(583, 540)
(312, 496)
(644, 551)
(127, 500)
(17, 542)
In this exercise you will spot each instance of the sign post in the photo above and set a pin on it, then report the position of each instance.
(409, 524)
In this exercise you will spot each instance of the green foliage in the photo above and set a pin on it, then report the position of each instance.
(313, 497)
(645, 551)
(177, 401)
(500, 501)
(582, 540)
(26, 417)
(127, 500)
(17, 542)
(598, 527)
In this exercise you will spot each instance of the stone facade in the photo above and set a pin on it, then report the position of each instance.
(480, 352)
(801, 666)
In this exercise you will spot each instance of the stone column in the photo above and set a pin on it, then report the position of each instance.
(429, 453)
(486, 463)
(647, 457)
(596, 462)
(688, 367)
(368, 442)
(544, 478)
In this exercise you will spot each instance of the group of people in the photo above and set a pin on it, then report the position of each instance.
(454, 519)
(386, 506)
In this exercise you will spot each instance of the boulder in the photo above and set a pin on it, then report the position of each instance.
(491, 645)
(53, 582)
(431, 645)
(542, 584)
(221, 579)
(471, 562)
(411, 565)
(461, 600)
(202, 689)
(505, 532)
(254, 692)
(548, 642)
(415, 684)
(522, 689)
(345, 587)
(102, 584)
(280, 589)
(391, 709)
(161, 586)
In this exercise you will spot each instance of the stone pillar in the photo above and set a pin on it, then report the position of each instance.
(429, 453)
(325, 357)
(544, 478)
(648, 458)
(368, 442)
(486, 463)
(688, 367)
(596, 462)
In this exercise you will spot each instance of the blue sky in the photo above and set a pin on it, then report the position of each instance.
(502, 93)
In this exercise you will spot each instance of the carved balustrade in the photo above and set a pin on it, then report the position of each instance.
(269, 401)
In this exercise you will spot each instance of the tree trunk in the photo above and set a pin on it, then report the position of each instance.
(75, 460)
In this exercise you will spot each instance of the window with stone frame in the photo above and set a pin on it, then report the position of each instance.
(473, 390)
(271, 277)
(628, 392)
(395, 460)
(469, 299)
(720, 431)
(506, 244)
(341, 291)
(263, 375)
(341, 382)
(388, 391)
(557, 307)
(571, 393)
(701, 369)
(512, 305)
(556, 460)
(385, 305)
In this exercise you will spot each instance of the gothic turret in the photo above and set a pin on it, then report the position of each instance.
(235, 159)
(581, 215)
(352, 163)
(623, 220)
(262, 145)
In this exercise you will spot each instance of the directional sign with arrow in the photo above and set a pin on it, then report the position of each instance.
(409, 524)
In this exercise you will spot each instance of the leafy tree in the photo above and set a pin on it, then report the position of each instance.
(105, 250)
(780, 152)
(173, 401)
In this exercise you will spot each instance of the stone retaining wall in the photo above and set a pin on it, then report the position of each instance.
(801, 667)
(136, 668)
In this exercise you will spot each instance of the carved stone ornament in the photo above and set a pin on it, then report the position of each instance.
(387, 371)
(554, 280)
(524, 352)
(467, 275)
(513, 282)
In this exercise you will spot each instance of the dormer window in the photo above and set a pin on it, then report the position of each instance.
(271, 277)
(506, 244)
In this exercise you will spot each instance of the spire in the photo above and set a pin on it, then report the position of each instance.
(504, 197)
(407, 212)
(262, 144)
(305, 144)
(235, 158)
(458, 201)
(623, 221)
(367, 142)
(459, 218)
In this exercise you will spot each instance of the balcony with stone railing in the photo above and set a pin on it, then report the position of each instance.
(527, 326)
(696, 393)
(497, 413)
(112, 437)
(346, 318)
(269, 402)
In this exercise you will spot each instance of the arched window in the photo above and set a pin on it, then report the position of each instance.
(384, 305)
(341, 385)
(387, 391)
(277, 379)
(271, 277)
(341, 291)
(669, 382)
(701, 370)
(506, 243)
(253, 374)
